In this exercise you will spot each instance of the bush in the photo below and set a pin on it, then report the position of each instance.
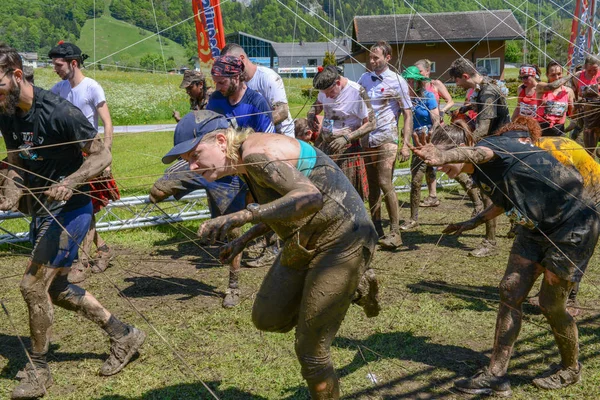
(513, 87)
(309, 92)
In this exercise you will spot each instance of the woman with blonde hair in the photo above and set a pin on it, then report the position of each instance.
(328, 237)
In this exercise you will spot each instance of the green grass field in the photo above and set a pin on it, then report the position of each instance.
(119, 41)
(436, 326)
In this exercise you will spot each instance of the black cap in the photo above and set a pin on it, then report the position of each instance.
(66, 50)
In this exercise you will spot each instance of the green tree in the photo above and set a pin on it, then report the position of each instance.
(513, 51)
(152, 62)
(329, 59)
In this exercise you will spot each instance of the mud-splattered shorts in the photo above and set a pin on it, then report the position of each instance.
(567, 251)
(54, 246)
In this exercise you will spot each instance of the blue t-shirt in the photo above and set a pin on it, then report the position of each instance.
(421, 109)
(252, 111)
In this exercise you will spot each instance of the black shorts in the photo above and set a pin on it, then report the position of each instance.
(566, 251)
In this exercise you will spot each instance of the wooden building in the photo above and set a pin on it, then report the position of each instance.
(479, 36)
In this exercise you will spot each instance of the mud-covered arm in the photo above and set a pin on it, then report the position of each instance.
(299, 196)
(432, 155)
(482, 129)
(13, 185)
(486, 215)
(280, 112)
(164, 188)
(233, 248)
(368, 123)
(311, 116)
(97, 160)
(542, 87)
(256, 231)
(407, 130)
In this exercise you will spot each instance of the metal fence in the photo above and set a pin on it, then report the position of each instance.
(138, 212)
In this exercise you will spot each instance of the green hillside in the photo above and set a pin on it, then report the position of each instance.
(118, 41)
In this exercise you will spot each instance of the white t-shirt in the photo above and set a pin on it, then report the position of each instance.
(86, 96)
(268, 83)
(389, 95)
(346, 112)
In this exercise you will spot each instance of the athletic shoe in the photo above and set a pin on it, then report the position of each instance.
(266, 260)
(483, 382)
(121, 351)
(367, 292)
(232, 298)
(79, 272)
(558, 377)
(486, 249)
(391, 241)
(409, 224)
(430, 201)
(34, 383)
(102, 260)
(257, 248)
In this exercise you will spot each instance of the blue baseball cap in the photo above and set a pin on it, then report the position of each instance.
(190, 131)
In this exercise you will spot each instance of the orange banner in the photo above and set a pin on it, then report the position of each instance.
(209, 28)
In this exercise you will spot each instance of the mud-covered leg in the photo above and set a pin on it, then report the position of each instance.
(330, 286)
(517, 282)
(385, 175)
(374, 192)
(233, 292)
(590, 141)
(430, 176)
(125, 339)
(417, 171)
(468, 185)
(488, 245)
(553, 300)
(515, 285)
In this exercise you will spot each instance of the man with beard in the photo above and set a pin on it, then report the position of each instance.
(45, 136)
(87, 95)
(194, 84)
(269, 84)
(243, 107)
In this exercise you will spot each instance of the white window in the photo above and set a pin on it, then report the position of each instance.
(491, 65)
(432, 69)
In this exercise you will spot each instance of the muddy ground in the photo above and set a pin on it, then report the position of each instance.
(436, 325)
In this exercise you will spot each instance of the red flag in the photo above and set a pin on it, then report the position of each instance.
(209, 28)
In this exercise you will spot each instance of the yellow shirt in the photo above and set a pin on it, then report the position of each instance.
(568, 152)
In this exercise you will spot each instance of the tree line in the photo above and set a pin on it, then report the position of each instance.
(37, 25)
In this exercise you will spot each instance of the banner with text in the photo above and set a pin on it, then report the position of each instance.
(209, 28)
